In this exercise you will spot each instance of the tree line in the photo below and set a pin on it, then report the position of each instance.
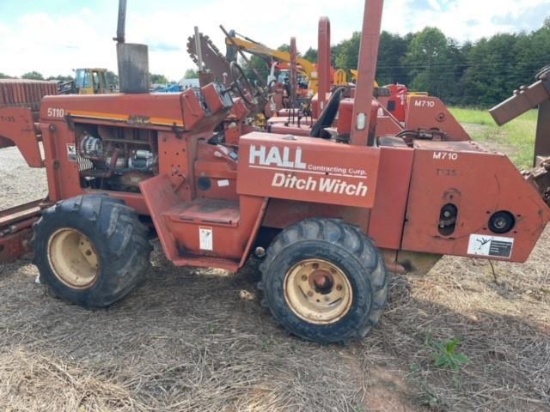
(112, 77)
(479, 74)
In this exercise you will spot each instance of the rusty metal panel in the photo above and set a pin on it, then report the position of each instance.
(428, 112)
(25, 93)
(368, 57)
(388, 213)
(16, 124)
(479, 184)
(16, 230)
(526, 98)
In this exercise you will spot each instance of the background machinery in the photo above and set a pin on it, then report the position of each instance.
(24, 93)
(87, 81)
(329, 217)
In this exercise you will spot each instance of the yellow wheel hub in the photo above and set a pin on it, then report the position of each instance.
(318, 291)
(73, 258)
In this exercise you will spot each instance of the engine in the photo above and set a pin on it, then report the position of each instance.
(115, 158)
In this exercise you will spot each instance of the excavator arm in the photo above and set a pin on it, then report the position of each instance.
(235, 43)
(309, 69)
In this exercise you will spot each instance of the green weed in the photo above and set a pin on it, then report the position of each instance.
(446, 355)
(212, 328)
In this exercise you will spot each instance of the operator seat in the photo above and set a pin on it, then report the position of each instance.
(328, 115)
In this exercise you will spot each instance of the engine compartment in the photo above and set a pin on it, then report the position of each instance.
(115, 158)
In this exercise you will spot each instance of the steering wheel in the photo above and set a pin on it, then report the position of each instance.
(240, 83)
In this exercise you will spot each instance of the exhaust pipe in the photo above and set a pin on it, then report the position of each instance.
(133, 59)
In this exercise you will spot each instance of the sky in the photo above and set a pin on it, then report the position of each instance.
(55, 36)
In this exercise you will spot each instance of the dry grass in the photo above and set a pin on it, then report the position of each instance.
(183, 342)
(191, 340)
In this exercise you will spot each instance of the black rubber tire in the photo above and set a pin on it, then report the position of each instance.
(343, 245)
(118, 237)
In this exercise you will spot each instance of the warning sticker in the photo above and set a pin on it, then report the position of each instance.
(71, 152)
(205, 238)
(493, 246)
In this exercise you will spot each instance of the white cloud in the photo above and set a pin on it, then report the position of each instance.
(460, 19)
(54, 43)
(435, 4)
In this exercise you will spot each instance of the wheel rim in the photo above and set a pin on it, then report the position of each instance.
(73, 258)
(318, 291)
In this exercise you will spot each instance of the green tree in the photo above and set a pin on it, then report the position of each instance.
(311, 55)
(532, 54)
(345, 55)
(259, 65)
(157, 78)
(391, 53)
(492, 70)
(60, 78)
(33, 76)
(430, 61)
(284, 48)
(191, 74)
(4, 76)
(112, 79)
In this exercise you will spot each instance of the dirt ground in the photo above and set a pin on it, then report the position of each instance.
(196, 340)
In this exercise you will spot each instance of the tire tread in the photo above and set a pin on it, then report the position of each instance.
(333, 233)
(125, 259)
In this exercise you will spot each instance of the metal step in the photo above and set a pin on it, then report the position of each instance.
(206, 211)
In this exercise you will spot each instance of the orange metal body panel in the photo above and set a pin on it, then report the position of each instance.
(387, 124)
(344, 122)
(362, 116)
(388, 214)
(203, 232)
(425, 112)
(220, 171)
(162, 112)
(17, 126)
(159, 196)
(323, 62)
(144, 110)
(284, 127)
(308, 169)
(63, 176)
(396, 102)
(478, 183)
(281, 213)
(176, 156)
